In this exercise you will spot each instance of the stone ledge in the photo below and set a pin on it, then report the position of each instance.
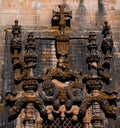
(50, 33)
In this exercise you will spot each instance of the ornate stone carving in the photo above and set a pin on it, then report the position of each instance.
(46, 92)
(20, 69)
(15, 45)
(107, 46)
(62, 17)
(104, 100)
(17, 103)
(30, 55)
(66, 84)
(75, 110)
(24, 77)
(94, 80)
(61, 91)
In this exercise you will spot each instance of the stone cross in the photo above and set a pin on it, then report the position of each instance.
(62, 15)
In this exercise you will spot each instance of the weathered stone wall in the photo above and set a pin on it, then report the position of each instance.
(86, 15)
(39, 12)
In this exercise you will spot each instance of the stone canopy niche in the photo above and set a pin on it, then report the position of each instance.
(57, 81)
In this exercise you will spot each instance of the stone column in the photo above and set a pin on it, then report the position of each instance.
(94, 83)
(30, 85)
(97, 118)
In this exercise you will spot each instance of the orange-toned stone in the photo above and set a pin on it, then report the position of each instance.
(110, 1)
(5, 4)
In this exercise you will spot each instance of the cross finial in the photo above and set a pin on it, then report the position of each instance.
(62, 15)
(62, 23)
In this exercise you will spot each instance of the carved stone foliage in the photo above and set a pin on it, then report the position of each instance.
(61, 91)
(23, 76)
(104, 99)
(107, 46)
(98, 76)
(59, 88)
(65, 83)
(96, 66)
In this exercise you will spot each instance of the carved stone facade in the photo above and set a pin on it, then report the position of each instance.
(46, 95)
